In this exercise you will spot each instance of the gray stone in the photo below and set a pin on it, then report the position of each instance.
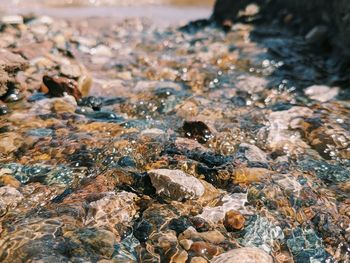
(176, 185)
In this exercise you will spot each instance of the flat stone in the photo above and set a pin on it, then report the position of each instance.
(322, 93)
(244, 255)
(176, 185)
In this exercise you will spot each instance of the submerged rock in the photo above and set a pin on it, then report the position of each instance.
(243, 255)
(176, 184)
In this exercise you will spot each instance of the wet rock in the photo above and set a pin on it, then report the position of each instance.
(176, 185)
(234, 221)
(330, 173)
(214, 237)
(10, 198)
(203, 249)
(111, 210)
(93, 102)
(179, 225)
(142, 231)
(252, 153)
(59, 86)
(306, 246)
(58, 105)
(200, 224)
(322, 93)
(228, 202)
(197, 130)
(244, 255)
(9, 180)
(317, 35)
(280, 138)
(262, 234)
(198, 260)
(250, 175)
(10, 142)
(4, 110)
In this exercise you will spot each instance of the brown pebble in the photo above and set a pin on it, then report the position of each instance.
(58, 86)
(201, 248)
(9, 180)
(234, 220)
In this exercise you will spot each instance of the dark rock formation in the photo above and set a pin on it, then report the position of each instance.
(332, 17)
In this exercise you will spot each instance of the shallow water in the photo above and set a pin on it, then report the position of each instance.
(233, 111)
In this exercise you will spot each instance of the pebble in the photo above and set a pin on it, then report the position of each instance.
(322, 93)
(243, 255)
(10, 181)
(234, 221)
(176, 185)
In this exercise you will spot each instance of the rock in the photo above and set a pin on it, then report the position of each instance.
(10, 64)
(58, 105)
(197, 130)
(10, 197)
(228, 202)
(262, 233)
(306, 246)
(203, 249)
(59, 86)
(10, 142)
(8, 180)
(214, 237)
(280, 138)
(317, 35)
(111, 210)
(12, 20)
(176, 185)
(322, 93)
(70, 71)
(252, 153)
(250, 175)
(198, 260)
(234, 221)
(243, 255)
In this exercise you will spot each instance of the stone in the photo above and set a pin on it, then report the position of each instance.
(228, 202)
(243, 255)
(59, 86)
(234, 221)
(322, 93)
(214, 236)
(8, 180)
(317, 35)
(250, 175)
(198, 260)
(197, 130)
(10, 142)
(262, 233)
(112, 209)
(280, 138)
(10, 197)
(253, 153)
(12, 20)
(176, 185)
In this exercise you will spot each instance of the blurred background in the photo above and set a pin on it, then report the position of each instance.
(161, 11)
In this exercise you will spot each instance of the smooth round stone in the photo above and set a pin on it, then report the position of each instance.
(244, 255)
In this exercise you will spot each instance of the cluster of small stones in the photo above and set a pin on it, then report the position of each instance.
(123, 142)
